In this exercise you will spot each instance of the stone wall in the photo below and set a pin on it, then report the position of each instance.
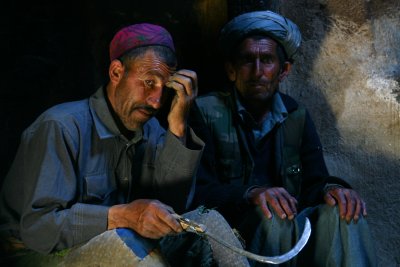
(348, 75)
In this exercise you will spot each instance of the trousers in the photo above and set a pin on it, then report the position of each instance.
(333, 241)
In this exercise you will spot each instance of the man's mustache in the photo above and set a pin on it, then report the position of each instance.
(261, 81)
(257, 83)
(152, 111)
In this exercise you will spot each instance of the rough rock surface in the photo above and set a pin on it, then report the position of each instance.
(348, 75)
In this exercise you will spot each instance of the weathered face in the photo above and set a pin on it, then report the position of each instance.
(137, 94)
(256, 71)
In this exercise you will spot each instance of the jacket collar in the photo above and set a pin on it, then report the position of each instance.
(290, 104)
(103, 119)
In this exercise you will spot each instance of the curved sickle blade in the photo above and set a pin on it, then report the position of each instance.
(274, 259)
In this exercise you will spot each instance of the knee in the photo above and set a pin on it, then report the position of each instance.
(332, 214)
(115, 247)
(327, 210)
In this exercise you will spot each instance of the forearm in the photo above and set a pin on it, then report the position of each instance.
(176, 170)
(46, 230)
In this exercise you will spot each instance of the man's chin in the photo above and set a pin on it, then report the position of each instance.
(137, 118)
(259, 97)
(136, 123)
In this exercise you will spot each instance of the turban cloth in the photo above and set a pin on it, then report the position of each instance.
(268, 23)
(139, 35)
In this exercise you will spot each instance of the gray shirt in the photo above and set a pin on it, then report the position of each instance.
(72, 164)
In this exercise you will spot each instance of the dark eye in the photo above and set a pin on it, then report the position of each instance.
(149, 83)
(247, 60)
(266, 59)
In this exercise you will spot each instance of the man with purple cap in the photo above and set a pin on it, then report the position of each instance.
(101, 175)
(263, 166)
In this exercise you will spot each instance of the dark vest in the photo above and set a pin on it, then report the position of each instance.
(234, 161)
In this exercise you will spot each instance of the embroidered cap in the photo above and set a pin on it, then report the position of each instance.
(138, 35)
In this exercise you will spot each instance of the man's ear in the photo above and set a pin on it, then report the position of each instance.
(230, 71)
(287, 66)
(116, 71)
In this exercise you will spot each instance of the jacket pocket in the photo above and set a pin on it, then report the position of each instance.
(293, 179)
(230, 169)
(97, 188)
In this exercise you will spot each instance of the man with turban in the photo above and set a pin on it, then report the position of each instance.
(263, 165)
(101, 173)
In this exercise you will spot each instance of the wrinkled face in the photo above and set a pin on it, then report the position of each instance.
(256, 71)
(137, 95)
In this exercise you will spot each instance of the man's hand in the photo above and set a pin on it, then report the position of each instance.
(278, 198)
(351, 206)
(149, 218)
(184, 82)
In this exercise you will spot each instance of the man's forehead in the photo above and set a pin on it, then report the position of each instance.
(151, 64)
(149, 56)
(262, 44)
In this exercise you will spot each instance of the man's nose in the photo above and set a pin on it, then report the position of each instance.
(257, 67)
(154, 98)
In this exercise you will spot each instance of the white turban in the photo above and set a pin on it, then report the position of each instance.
(268, 23)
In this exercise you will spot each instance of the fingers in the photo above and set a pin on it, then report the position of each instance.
(329, 199)
(161, 224)
(169, 221)
(151, 218)
(350, 204)
(184, 82)
(278, 199)
(357, 211)
(264, 207)
(341, 200)
(282, 202)
(364, 208)
(291, 205)
(355, 206)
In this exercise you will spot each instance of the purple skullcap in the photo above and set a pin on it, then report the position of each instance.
(139, 35)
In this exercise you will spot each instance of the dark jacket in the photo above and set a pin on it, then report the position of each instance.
(298, 158)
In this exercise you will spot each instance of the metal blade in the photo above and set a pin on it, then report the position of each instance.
(274, 259)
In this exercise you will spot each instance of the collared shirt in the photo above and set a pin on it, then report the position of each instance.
(72, 164)
(277, 115)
